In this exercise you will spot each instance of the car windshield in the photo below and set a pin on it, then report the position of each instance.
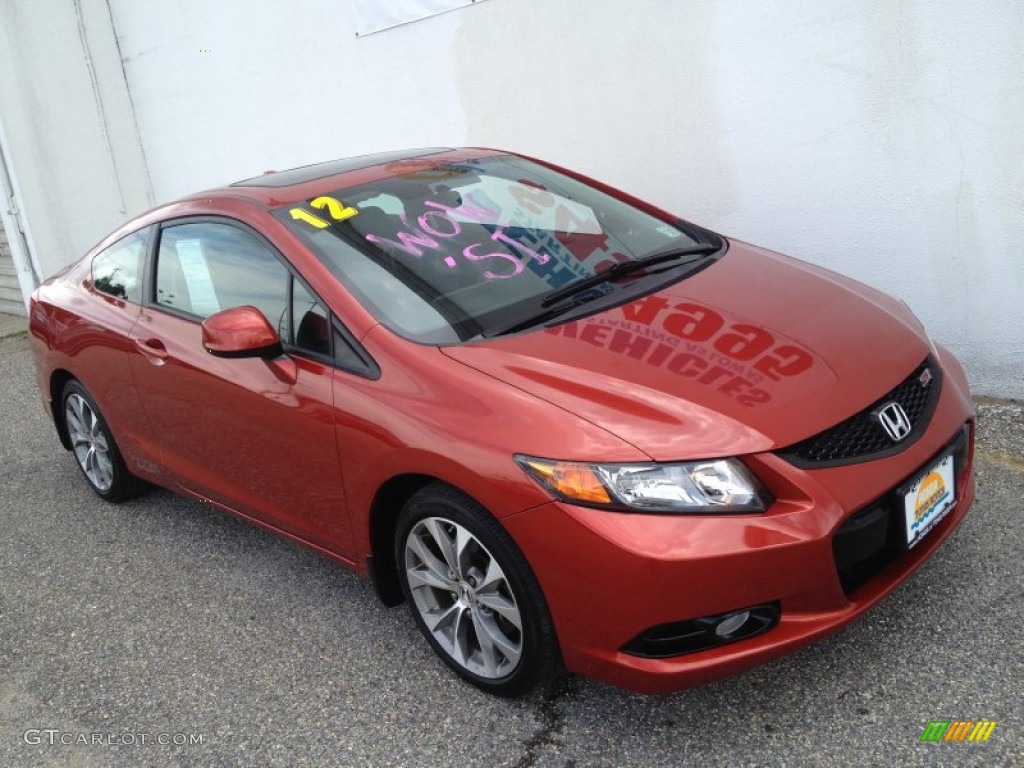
(445, 252)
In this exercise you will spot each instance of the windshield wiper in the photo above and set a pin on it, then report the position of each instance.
(625, 268)
(532, 320)
(572, 289)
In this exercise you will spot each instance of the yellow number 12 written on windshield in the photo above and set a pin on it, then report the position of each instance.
(338, 211)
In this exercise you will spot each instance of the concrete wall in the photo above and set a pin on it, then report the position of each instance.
(69, 137)
(880, 138)
(227, 90)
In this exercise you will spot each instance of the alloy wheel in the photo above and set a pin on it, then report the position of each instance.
(464, 598)
(89, 442)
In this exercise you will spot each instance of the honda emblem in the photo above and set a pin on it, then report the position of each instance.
(894, 421)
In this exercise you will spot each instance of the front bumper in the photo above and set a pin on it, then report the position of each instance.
(609, 577)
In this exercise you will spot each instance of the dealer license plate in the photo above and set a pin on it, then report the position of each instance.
(929, 499)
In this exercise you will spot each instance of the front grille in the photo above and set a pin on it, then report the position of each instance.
(876, 535)
(862, 437)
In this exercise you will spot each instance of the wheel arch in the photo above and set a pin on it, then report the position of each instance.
(58, 380)
(387, 503)
(390, 494)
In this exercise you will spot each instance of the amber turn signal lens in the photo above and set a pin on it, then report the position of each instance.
(573, 481)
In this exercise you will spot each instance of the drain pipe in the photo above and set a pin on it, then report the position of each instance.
(16, 228)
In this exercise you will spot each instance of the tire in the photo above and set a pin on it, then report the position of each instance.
(94, 447)
(472, 593)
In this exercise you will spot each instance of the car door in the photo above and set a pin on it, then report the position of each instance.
(252, 434)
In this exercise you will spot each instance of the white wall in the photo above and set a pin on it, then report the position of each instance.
(284, 84)
(881, 138)
(66, 128)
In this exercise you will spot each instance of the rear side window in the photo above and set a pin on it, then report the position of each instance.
(205, 267)
(117, 269)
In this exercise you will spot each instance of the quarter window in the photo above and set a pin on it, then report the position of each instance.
(116, 269)
(310, 322)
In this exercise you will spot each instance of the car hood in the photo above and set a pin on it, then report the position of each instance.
(755, 352)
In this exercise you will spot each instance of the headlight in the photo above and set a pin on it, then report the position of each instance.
(717, 486)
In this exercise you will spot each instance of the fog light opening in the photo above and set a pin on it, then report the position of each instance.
(732, 624)
(693, 635)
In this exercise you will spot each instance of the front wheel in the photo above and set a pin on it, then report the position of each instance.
(472, 593)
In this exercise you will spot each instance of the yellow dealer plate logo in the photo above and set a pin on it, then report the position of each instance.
(929, 499)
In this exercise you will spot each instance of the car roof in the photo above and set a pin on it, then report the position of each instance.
(317, 171)
(277, 188)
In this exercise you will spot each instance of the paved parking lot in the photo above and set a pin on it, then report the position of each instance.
(162, 620)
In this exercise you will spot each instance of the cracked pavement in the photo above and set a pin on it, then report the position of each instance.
(163, 617)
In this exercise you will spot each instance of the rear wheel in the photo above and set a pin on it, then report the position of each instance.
(472, 593)
(94, 447)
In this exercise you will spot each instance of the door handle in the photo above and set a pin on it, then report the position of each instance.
(153, 350)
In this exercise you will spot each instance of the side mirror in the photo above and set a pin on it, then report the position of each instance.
(240, 332)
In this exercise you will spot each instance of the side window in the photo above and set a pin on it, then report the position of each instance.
(205, 267)
(117, 269)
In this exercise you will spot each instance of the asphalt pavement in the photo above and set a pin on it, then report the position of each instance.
(162, 632)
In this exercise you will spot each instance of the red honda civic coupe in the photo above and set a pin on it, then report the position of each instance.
(569, 429)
